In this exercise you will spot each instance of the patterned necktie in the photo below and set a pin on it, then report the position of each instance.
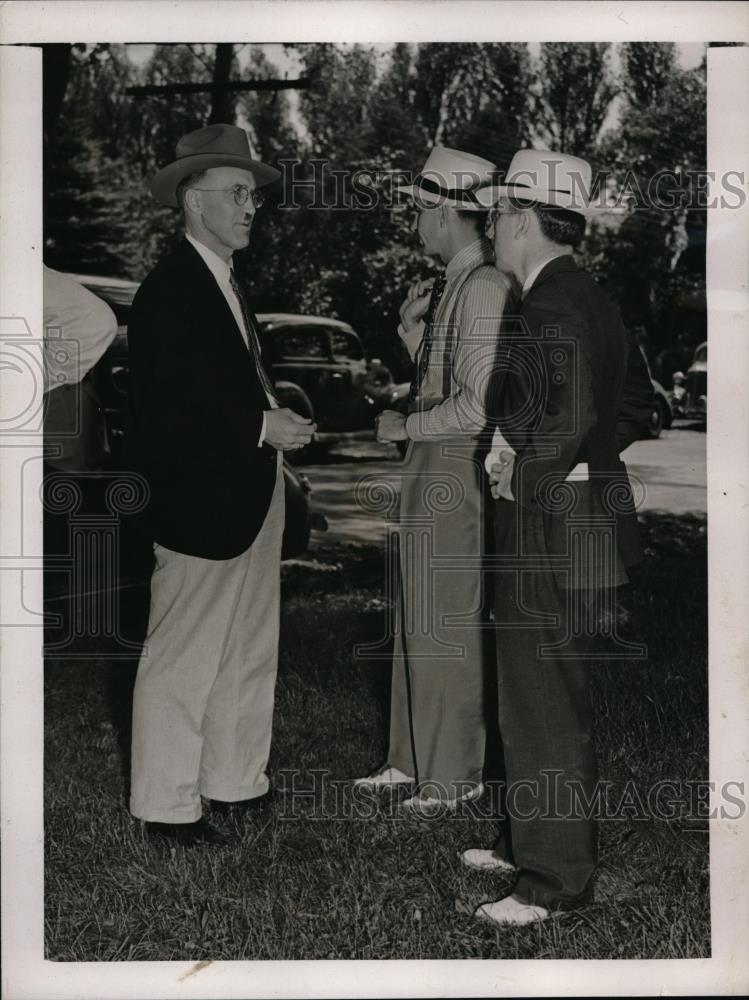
(252, 339)
(426, 341)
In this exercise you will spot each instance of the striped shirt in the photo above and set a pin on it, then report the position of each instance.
(463, 356)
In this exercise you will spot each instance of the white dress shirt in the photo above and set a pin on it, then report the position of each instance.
(221, 271)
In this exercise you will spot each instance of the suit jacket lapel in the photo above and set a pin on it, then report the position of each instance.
(213, 304)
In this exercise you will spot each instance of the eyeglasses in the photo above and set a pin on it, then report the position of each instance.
(493, 217)
(241, 193)
(494, 214)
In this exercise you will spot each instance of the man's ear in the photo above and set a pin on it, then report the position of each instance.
(193, 199)
(522, 223)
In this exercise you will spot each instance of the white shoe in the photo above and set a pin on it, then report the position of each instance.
(481, 860)
(511, 911)
(385, 777)
(427, 804)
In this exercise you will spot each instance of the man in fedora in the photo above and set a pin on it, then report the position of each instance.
(573, 397)
(451, 327)
(207, 434)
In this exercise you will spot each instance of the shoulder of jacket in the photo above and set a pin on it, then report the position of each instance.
(173, 272)
(557, 296)
(487, 274)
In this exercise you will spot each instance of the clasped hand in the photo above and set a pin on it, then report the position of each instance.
(500, 476)
(391, 426)
(286, 430)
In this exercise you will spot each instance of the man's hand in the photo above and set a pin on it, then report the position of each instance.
(501, 476)
(286, 430)
(416, 302)
(412, 311)
(391, 426)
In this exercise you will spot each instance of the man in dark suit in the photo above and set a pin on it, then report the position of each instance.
(573, 398)
(207, 435)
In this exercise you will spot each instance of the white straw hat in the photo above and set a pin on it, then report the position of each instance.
(451, 177)
(546, 178)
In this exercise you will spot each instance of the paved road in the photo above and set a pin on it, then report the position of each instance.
(671, 470)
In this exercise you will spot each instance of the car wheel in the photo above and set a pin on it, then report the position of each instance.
(657, 422)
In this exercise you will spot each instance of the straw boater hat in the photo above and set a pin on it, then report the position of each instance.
(545, 178)
(451, 177)
(214, 146)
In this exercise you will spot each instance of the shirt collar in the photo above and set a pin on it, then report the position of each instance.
(220, 269)
(527, 284)
(478, 252)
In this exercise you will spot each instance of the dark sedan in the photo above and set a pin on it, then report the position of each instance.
(320, 370)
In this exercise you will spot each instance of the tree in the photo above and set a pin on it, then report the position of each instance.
(572, 95)
(475, 96)
(647, 69)
(396, 126)
(267, 114)
(657, 254)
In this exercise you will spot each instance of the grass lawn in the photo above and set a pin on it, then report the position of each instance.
(322, 874)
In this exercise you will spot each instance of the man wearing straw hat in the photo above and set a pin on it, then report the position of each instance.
(451, 327)
(573, 398)
(207, 435)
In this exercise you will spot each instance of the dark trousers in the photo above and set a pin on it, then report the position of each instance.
(545, 718)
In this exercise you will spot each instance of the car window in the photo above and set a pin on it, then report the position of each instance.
(346, 346)
(300, 342)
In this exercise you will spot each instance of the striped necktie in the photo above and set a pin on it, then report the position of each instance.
(426, 341)
(252, 338)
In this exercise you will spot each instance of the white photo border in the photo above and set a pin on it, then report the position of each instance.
(25, 972)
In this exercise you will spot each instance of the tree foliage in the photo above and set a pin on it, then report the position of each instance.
(573, 94)
(333, 243)
(659, 151)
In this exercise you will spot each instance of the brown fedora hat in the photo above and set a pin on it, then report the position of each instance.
(213, 146)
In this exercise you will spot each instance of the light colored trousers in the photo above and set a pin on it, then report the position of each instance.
(203, 699)
(437, 710)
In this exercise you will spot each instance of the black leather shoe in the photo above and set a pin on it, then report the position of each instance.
(188, 834)
(242, 806)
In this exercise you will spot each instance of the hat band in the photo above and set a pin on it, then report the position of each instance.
(531, 187)
(456, 194)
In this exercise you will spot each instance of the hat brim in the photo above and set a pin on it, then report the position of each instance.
(164, 183)
(427, 198)
(489, 196)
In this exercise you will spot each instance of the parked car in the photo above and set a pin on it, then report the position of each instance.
(111, 376)
(662, 416)
(320, 370)
(693, 387)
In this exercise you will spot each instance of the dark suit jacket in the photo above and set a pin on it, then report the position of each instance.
(196, 410)
(574, 393)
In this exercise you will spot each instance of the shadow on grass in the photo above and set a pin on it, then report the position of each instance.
(320, 874)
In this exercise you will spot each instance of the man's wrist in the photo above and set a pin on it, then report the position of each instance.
(413, 419)
(411, 336)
